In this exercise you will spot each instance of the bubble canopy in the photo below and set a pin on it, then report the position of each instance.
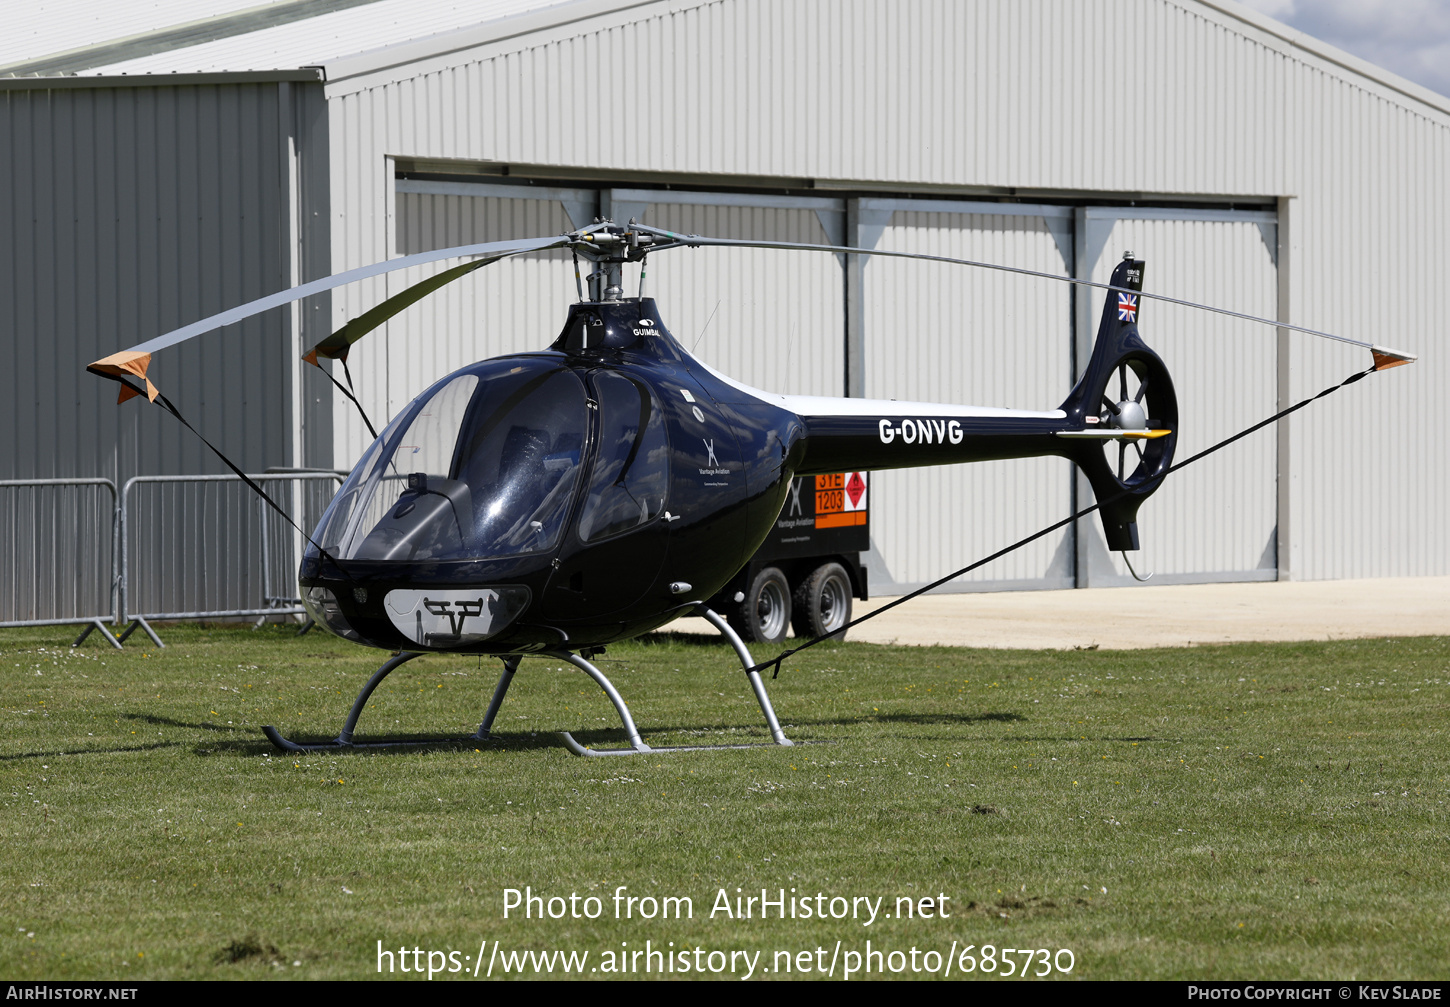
(484, 465)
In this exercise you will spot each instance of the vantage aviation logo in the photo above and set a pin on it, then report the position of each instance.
(712, 464)
(912, 431)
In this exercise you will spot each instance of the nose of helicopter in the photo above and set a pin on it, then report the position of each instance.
(438, 618)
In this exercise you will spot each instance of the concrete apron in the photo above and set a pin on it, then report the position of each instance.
(1150, 616)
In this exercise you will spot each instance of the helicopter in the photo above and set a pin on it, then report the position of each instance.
(551, 503)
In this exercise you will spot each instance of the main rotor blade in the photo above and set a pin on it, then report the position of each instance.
(336, 345)
(496, 249)
(1384, 356)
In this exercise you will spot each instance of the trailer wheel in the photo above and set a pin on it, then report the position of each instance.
(822, 602)
(764, 615)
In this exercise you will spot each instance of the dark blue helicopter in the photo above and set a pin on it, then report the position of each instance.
(554, 502)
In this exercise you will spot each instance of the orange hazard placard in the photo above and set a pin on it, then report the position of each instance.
(841, 500)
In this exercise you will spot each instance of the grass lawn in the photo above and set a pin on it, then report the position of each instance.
(1248, 811)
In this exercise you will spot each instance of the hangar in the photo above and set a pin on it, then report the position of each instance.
(164, 164)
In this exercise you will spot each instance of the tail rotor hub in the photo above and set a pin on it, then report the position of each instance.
(1130, 416)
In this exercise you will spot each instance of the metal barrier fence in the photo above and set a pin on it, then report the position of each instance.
(58, 553)
(199, 547)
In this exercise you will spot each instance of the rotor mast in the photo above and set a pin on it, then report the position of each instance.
(609, 246)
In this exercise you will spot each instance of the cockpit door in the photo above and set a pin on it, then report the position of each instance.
(614, 554)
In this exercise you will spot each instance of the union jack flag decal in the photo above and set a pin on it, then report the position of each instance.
(1127, 307)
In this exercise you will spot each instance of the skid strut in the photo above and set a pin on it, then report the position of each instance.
(345, 738)
(637, 745)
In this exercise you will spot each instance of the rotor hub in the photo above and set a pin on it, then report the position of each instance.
(1131, 416)
(610, 246)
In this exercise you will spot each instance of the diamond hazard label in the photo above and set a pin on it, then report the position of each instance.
(841, 500)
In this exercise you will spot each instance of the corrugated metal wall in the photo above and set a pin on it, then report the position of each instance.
(933, 91)
(130, 210)
(1070, 96)
(127, 212)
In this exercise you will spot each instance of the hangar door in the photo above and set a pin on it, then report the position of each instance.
(1216, 520)
(936, 332)
(769, 318)
(509, 306)
(948, 333)
(926, 331)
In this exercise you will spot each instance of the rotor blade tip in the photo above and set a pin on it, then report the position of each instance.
(1385, 358)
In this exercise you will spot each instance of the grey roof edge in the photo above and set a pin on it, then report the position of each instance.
(526, 174)
(1323, 50)
(169, 38)
(308, 74)
(443, 43)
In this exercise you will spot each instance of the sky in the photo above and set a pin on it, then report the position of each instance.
(1409, 37)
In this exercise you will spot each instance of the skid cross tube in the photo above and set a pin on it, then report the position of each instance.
(637, 744)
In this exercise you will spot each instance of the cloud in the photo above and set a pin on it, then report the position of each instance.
(1409, 37)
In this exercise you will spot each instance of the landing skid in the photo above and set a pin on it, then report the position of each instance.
(511, 665)
(345, 738)
(637, 745)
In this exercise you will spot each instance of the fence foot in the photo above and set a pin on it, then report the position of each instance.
(96, 624)
(145, 627)
(306, 626)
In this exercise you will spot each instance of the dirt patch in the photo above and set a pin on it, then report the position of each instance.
(248, 949)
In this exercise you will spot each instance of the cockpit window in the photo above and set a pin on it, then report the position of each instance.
(631, 471)
(483, 465)
(520, 454)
